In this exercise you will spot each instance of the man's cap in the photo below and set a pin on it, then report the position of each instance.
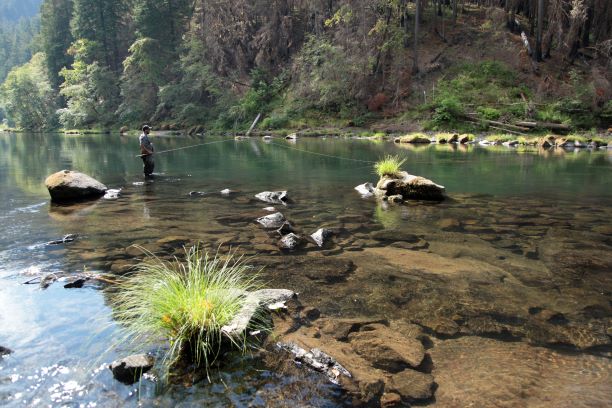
(146, 127)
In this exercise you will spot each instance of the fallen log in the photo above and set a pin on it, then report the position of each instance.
(516, 128)
(514, 132)
(546, 125)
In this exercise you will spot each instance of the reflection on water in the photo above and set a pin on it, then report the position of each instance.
(518, 252)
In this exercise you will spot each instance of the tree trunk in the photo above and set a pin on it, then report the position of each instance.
(538, 47)
(415, 67)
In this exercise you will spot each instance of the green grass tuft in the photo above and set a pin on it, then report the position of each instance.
(186, 303)
(389, 166)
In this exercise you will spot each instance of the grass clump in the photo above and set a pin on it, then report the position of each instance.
(186, 303)
(389, 166)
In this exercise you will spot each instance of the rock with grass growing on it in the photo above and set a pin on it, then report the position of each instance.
(66, 186)
(129, 369)
(186, 303)
(416, 138)
(409, 187)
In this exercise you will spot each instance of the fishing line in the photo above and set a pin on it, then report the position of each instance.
(322, 154)
(186, 147)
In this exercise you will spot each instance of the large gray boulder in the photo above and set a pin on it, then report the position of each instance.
(409, 187)
(67, 185)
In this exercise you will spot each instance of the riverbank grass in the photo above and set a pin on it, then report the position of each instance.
(389, 166)
(186, 303)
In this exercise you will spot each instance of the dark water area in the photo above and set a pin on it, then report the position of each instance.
(511, 276)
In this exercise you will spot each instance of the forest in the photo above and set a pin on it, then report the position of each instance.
(390, 64)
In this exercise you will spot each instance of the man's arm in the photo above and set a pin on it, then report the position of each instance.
(144, 150)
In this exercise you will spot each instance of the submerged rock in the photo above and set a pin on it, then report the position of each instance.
(365, 189)
(254, 303)
(129, 369)
(112, 194)
(387, 349)
(409, 187)
(291, 241)
(321, 236)
(285, 229)
(275, 220)
(273, 197)
(5, 350)
(69, 185)
(412, 385)
(65, 239)
(317, 360)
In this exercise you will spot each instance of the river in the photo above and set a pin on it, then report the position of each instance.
(516, 261)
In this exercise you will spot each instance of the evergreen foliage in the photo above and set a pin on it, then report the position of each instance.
(186, 62)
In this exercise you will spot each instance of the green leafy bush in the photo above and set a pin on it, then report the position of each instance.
(488, 113)
(447, 113)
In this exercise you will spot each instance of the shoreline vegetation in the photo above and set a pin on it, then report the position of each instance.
(467, 70)
(536, 139)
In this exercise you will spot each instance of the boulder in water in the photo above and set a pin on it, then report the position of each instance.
(365, 189)
(285, 229)
(321, 236)
(112, 194)
(409, 187)
(290, 241)
(275, 220)
(67, 185)
(273, 197)
(5, 351)
(129, 369)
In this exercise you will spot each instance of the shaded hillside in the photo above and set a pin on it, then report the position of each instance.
(390, 63)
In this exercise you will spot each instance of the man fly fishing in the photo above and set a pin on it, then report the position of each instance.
(146, 151)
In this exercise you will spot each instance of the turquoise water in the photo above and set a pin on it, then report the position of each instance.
(504, 203)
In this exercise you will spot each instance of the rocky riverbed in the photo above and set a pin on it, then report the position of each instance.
(496, 299)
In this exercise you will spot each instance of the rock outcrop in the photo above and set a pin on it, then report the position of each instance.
(409, 187)
(67, 185)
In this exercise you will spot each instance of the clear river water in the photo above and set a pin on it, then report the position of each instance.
(511, 276)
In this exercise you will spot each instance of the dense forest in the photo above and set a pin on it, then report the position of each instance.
(180, 63)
